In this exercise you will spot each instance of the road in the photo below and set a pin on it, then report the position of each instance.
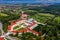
(1, 27)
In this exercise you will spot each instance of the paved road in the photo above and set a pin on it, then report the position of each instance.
(0, 25)
(7, 34)
(1, 28)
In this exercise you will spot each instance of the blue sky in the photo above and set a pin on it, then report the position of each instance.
(29, 1)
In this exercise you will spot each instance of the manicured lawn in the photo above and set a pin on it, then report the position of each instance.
(16, 27)
(21, 29)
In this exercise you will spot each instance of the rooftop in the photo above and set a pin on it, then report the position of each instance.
(23, 25)
(1, 38)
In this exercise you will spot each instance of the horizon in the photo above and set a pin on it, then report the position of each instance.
(27, 1)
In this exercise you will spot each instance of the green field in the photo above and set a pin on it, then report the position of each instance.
(16, 27)
(2, 14)
(42, 17)
(21, 29)
(57, 19)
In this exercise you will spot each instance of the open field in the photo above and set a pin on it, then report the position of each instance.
(2, 14)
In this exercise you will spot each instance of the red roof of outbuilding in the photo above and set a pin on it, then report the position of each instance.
(25, 30)
(34, 31)
(9, 27)
(1, 38)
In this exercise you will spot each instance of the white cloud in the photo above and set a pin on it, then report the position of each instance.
(47, 0)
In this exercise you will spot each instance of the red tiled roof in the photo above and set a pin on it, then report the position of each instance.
(1, 38)
(14, 31)
(20, 31)
(25, 30)
(13, 23)
(24, 16)
(9, 27)
(34, 31)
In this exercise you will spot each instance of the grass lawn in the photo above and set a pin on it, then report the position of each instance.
(57, 19)
(46, 14)
(40, 17)
(21, 29)
(16, 27)
(2, 14)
